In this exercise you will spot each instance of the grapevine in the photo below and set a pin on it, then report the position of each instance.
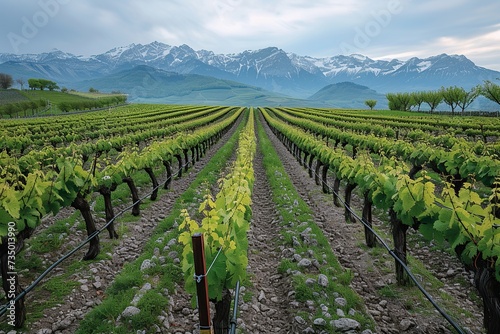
(225, 223)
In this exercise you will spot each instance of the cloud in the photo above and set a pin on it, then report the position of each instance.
(423, 29)
(265, 23)
(315, 28)
(482, 48)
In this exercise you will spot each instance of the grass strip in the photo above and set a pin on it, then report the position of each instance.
(303, 237)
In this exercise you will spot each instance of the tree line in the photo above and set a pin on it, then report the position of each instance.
(24, 107)
(6, 82)
(41, 84)
(457, 98)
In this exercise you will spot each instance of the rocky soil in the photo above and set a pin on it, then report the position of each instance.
(391, 315)
(272, 309)
(269, 310)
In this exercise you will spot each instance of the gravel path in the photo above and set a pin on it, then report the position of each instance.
(268, 310)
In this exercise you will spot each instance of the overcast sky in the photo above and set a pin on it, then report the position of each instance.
(379, 29)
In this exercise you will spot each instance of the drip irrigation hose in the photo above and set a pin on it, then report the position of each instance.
(456, 326)
(234, 319)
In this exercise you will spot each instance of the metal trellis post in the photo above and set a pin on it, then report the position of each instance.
(200, 270)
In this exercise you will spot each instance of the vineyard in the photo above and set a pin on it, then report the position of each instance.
(319, 220)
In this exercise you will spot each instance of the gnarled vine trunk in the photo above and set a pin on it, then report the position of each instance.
(136, 209)
(367, 219)
(309, 165)
(316, 173)
(348, 194)
(108, 209)
(399, 237)
(222, 312)
(324, 177)
(179, 160)
(186, 160)
(336, 188)
(489, 289)
(81, 204)
(154, 180)
(168, 167)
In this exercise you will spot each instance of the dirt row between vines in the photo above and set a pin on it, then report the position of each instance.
(269, 310)
(391, 315)
(92, 282)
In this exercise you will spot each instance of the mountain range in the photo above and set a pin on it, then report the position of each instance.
(149, 72)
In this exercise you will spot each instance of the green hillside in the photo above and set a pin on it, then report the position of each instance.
(11, 96)
(349, 95)
(148, 85)
(54, 97)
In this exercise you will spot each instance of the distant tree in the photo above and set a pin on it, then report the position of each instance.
(400, 101)
(33, 106)
(34, 84)
(433, 98)
(11, 108)
(93, 90)
(64, 90)
(64, 106)
(42, 84)
(21, 82)
(452, 96)
(393, 101)
(121, 99)
(42, 103)
(491, 91)
(51, 85)
(6, 81)
(25, 106)
(371, 103)
(467, 97)
(418, 99)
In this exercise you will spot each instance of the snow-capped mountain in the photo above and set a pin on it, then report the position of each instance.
(135, 53)
(270, 68)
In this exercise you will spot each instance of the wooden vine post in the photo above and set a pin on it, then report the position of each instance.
(200, 271)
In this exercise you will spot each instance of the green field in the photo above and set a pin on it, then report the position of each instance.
(53, 97)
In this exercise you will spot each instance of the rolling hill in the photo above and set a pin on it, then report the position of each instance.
(146, 84)
(348, 95)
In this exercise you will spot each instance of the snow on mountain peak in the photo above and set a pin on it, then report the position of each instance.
(423, 65)
(270, 60)
(359, 56)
